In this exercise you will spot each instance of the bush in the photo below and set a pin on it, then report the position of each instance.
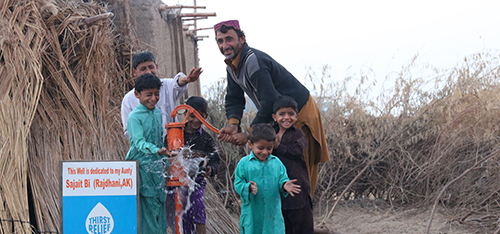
(428, 138)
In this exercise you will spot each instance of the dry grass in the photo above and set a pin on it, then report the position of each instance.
(229, 154)
(419, 142)
(21, 40)
(219, 220)
(427, 140)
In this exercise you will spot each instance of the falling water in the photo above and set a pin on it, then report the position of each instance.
(190, 163)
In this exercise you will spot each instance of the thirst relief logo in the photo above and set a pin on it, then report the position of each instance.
(99, 220)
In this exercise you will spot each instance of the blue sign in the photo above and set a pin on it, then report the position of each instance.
(99, 197)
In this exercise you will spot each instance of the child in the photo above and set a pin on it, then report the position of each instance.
(289, 148)
(145, 127)
(202, 145)
(260, 178)
(171, 89)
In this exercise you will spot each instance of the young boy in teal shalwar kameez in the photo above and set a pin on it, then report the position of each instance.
(260, 178)
(145, 128)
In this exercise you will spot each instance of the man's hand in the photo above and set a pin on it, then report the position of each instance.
(230, 134)
(208, 171)
(253, 187)
(292, 188)
(192, 77)
(226, 134)
(240, 138)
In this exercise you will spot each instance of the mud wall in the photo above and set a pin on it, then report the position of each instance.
(159, 32)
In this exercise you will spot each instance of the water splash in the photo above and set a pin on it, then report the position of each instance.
(156, 168)
(193, 165)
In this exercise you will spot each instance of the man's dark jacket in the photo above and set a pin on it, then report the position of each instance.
(263, 80)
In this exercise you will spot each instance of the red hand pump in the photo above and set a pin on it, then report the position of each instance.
(175, 141)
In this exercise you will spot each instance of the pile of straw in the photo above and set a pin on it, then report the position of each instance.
(219, 220)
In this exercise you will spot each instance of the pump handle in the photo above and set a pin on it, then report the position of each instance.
(190, 110)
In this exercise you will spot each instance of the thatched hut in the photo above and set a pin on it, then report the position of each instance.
(61, 84)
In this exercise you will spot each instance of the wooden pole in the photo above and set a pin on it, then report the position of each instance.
(195, 21)
(175, 36)
(182, 47)
(95, 19)
(198, 29)
(197, 91)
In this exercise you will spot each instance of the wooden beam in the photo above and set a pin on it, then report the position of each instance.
(194, 18)
(196, 14)
(163, 7)
(198, 29)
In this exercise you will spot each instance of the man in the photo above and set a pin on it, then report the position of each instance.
(170, 91)
(263, 79)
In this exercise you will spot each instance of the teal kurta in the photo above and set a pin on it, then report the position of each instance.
(145, 129)
(261, 213)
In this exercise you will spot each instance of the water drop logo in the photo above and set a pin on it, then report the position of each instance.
(99, 220)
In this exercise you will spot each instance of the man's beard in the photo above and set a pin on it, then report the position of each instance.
(236, 51)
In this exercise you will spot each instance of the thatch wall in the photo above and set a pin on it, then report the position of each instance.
(78, 113)
(21, 40)
(61, 85)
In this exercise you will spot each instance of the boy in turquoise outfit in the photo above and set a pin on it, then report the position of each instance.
(260, 179)
(146, 146)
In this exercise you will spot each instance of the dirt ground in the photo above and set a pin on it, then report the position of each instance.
(375, 220)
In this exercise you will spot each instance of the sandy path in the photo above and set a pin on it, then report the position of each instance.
(351, 220)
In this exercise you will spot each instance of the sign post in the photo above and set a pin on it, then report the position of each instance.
(99, 197)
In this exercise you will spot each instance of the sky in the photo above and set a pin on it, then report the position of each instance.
(352, 36)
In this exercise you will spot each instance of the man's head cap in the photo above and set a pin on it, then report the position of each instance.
(230, 23)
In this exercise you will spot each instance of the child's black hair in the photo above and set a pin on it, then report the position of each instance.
(261, 131)
(198, 103)
(141, 57)
(147, 81)
(284, 102)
